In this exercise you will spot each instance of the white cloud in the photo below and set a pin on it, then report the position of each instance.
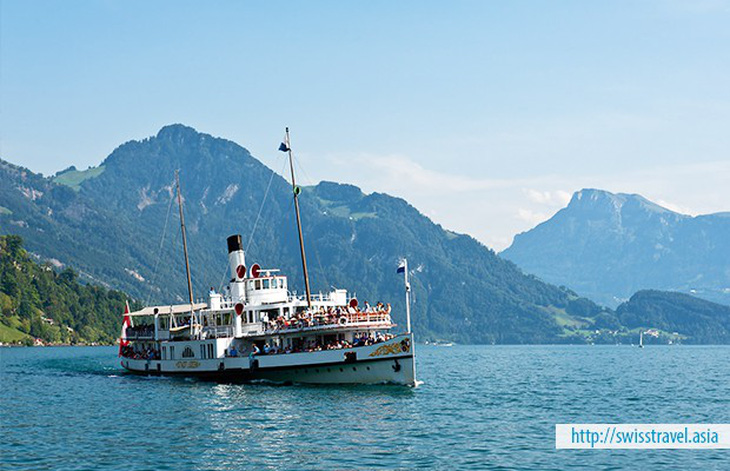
(548, 198)
(675, 207)
(530, 216)
(405, 171)
(493, 210)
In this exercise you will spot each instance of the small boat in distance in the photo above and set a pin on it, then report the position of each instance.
(259, 330)
(641, 339)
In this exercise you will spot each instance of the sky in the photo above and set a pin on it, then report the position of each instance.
(485, 115)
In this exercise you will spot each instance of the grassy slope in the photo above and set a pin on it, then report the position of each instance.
(74, 178)
(11, 335)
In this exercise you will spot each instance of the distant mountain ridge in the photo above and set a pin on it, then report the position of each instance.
(676, 312)
(608, 246)
(107, 222)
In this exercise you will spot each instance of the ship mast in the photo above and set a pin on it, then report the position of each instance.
(298, 190)
(185, 241)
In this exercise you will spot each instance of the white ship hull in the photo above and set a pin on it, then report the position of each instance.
(385, 362)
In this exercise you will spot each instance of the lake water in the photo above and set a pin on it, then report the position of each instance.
(480, 407)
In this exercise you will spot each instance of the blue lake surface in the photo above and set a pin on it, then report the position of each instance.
(480, 407)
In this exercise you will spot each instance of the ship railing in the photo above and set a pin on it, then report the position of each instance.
(141, 335)
(323, 322)
(314, 297)
(219, 331)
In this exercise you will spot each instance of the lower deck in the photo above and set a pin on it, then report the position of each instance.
(390, 361)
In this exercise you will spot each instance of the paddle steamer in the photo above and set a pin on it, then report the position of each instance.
(257, 329)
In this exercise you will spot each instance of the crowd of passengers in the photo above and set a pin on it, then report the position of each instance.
(329, 316)
(315, 346)
(148, 353)
(142, 330)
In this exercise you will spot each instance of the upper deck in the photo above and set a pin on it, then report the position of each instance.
(178, 322)
(257, 302)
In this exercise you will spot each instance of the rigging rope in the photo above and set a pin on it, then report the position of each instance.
(253, 229)
(159, 250)
(261, 208)
(307, 178)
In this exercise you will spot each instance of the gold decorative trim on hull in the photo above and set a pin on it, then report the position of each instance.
(404, 346)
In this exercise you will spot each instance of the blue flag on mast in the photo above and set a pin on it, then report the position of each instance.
(401, 268)
(283, 147)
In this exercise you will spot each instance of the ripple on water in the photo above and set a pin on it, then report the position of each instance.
(478, 407)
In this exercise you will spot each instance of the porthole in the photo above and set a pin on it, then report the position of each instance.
(341, 370)
(354, 369)
(368, 368)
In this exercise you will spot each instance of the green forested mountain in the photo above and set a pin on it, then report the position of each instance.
(38, 302)
(699, 320)
(108, 223)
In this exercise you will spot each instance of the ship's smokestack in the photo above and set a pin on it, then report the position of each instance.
(236, 258)
(237, 261)
(234, 243)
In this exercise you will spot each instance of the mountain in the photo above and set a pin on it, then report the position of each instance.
(608, 246)
(677, 312)
(108, 222)
(117, 225)
(36, 301)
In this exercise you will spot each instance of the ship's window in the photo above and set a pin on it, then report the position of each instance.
(172, 353)
(258, 284)
(210, 350)
(202, 351)
(164, 353)
(250, 317)
(266, 283)
(188, 353)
